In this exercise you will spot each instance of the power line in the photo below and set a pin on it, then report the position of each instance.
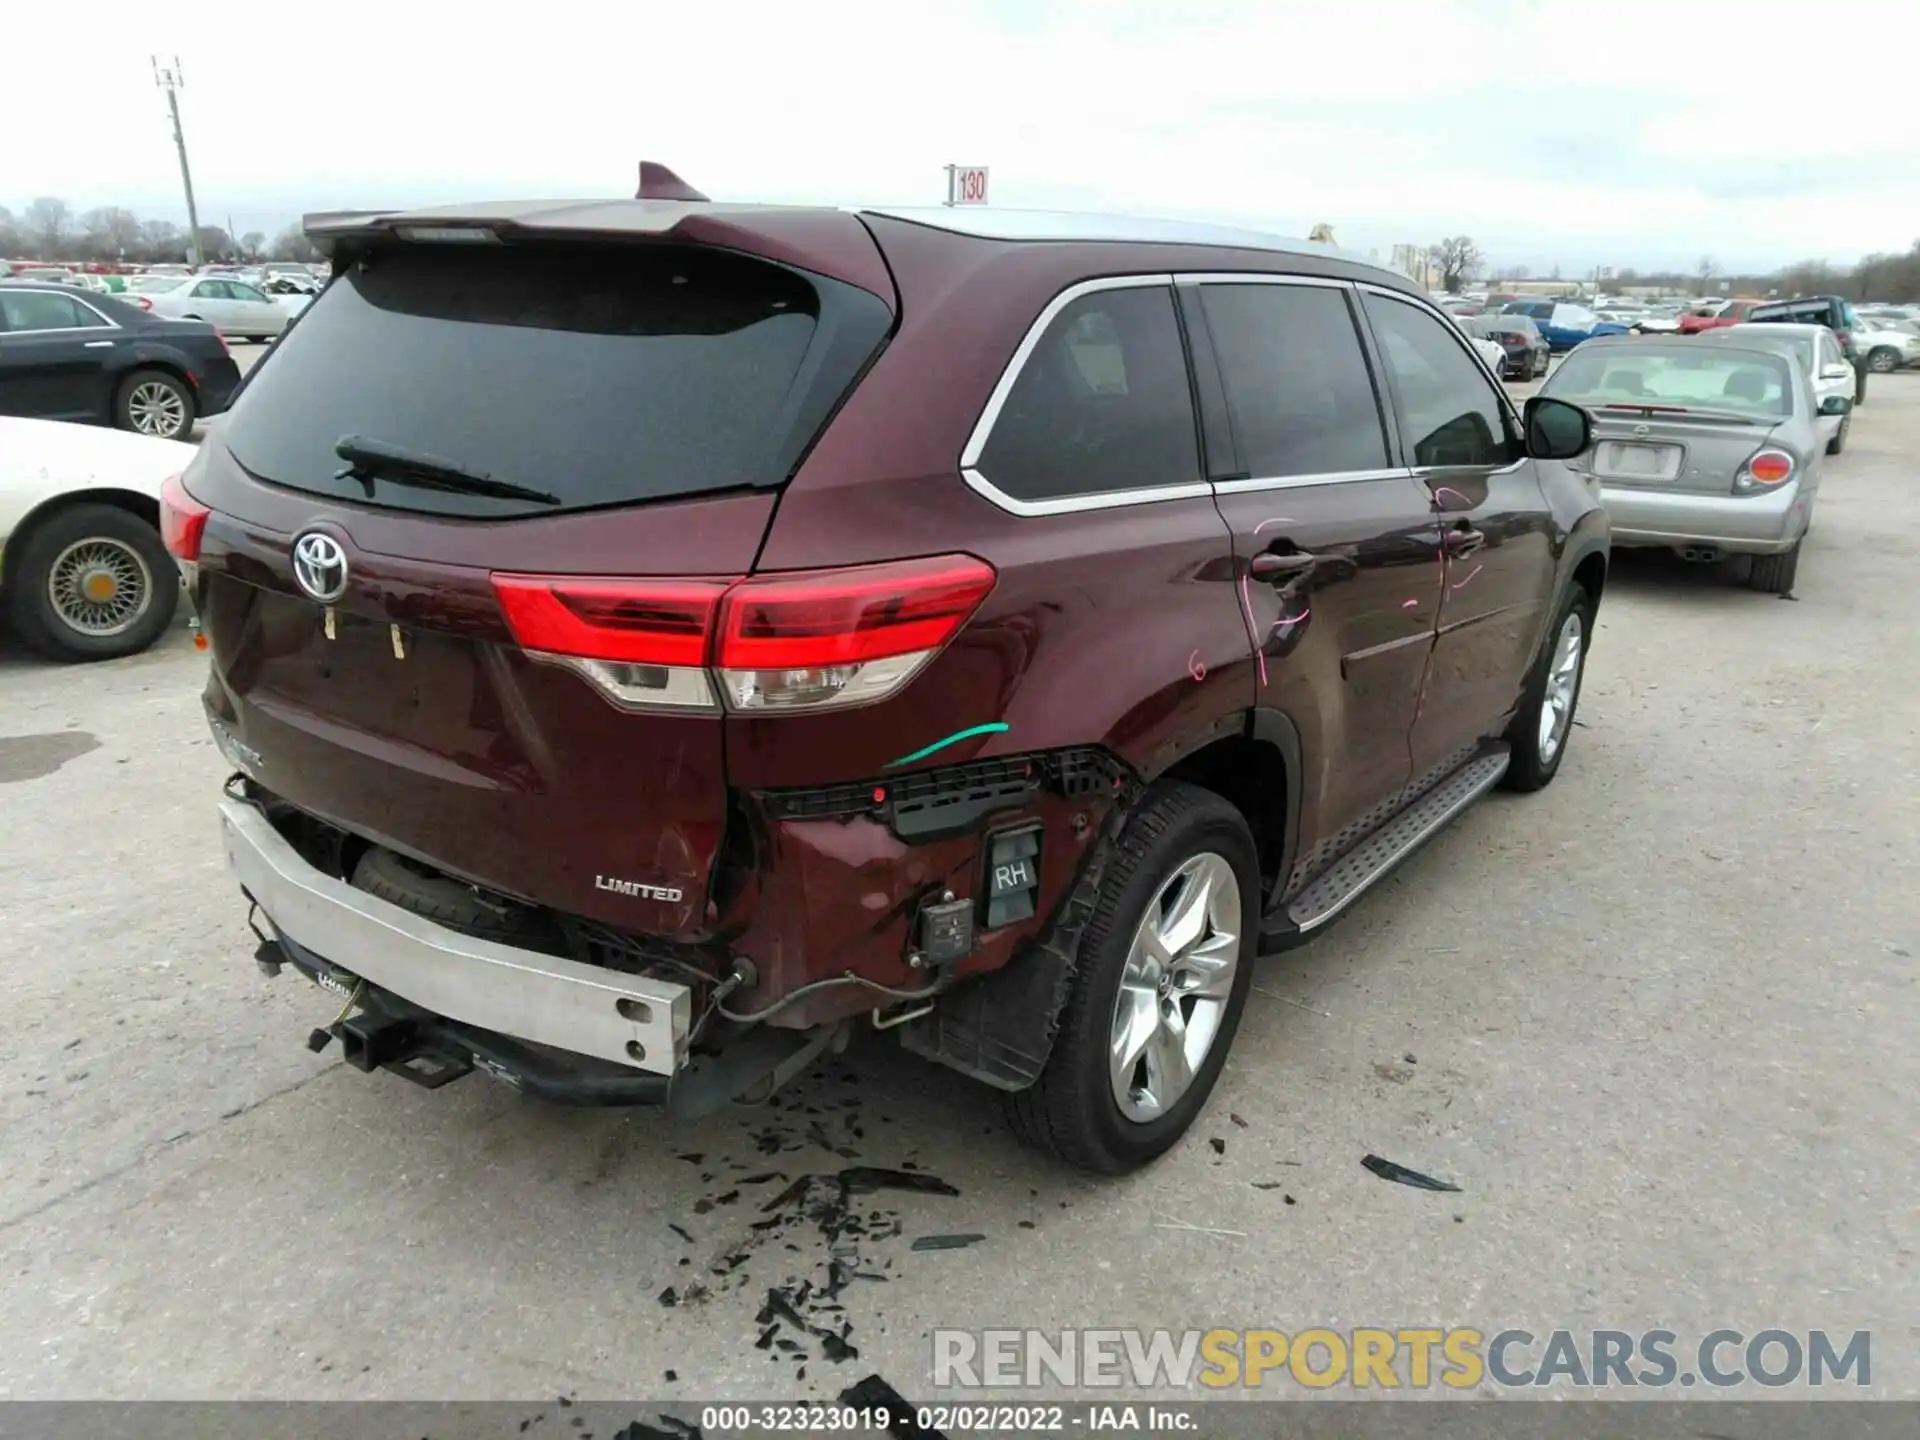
(173, 81)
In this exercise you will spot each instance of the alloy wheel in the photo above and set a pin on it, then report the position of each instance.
(157, 409)
(1563, 686)
(1174, 991)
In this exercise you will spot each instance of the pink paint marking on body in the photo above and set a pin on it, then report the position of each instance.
(1293, 619)
(1196, 667)
(1253, 628)
(1440, 490)
(1461, 584)
(1276, 520)
(1413, 604)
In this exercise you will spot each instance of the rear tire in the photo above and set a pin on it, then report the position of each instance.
(152, 402)
(1181, 843)
(53, 574)
(1839, 440)
(1774, 574)
(1537, 746)
(1883, 360)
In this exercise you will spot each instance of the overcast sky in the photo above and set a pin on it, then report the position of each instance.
(1555, 132)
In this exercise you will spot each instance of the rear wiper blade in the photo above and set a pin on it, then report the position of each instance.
(369, 459)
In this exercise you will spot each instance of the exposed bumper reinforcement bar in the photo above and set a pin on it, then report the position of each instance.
(633, 1021)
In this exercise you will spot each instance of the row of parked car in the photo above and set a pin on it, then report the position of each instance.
(1519, 337)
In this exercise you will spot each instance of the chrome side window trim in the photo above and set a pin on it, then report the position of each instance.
(977, 441)
(983, 427)
(1289, 482)
(1258, 277)
(1069, 504)
(1115, 499)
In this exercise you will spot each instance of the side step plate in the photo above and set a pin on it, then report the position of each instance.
(1386, 847)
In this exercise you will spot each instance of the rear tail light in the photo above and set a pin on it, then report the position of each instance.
(1766, 470)
(143, 302)
(183, 520)
(643, 642)
(840, 637)
(804, 641)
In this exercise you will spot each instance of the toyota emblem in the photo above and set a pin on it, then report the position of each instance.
(320, 567)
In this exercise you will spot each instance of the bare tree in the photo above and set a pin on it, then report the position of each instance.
(161, 240)
(292, 244)
(253, 244)
(48, 225)
(215, 243)
(111, 232)
(1458, 260)
(9, 233)
(1707, 270)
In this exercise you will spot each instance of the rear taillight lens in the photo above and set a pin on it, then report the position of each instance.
(803, 641)
(643, 622)
(643, 642)
(841, 637)
(143, 302)
(1766, 470)
(183, 520)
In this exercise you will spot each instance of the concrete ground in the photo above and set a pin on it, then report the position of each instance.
(1658, 1023)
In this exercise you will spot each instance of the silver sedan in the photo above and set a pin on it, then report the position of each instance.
(1708, 451)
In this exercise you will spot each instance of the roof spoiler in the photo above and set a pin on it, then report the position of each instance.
(657, 182)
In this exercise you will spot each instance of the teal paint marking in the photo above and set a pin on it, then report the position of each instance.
(954, 739)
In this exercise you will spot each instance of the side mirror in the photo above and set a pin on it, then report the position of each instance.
(1555, 429)
(1836, 404)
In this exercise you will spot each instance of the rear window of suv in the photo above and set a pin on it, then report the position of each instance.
(601, 376)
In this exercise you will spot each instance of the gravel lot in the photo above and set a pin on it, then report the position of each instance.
(1658, 1023)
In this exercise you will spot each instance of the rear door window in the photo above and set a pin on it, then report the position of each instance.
(1297, 384)
(27, 310)
(602, 376)
(1449, 411)
(1103, 404)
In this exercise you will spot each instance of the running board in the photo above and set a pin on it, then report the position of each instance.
(1355, 872)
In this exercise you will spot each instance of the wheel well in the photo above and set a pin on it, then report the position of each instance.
(1591, 574)
(1251, 775)
(131, 501)
(165, 367)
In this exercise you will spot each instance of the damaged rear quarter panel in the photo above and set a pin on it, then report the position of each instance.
(822, 897)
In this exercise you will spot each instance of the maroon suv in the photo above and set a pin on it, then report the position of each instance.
(657, 637)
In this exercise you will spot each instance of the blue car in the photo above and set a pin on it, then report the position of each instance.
(1564, 324)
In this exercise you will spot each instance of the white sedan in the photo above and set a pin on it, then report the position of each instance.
(236, 309)
(83, 572)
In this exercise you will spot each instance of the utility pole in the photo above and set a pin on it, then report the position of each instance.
(173, 82)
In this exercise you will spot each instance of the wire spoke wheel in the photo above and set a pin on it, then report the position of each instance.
(99, 586)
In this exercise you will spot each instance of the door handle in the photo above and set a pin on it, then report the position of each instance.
(1280, 565)
(98, 345)
(1464, 541)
